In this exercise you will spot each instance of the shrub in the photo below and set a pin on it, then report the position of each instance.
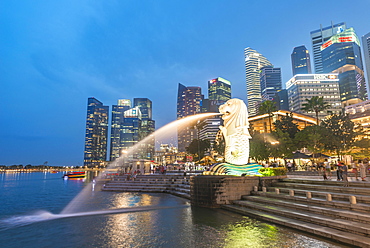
(268, 172)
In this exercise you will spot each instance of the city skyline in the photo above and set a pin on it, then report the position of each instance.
(56, 55)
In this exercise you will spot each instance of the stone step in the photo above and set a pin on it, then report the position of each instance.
(326, 188)
(322, 194)
(357, 184)
(318, 219)
(326, 232)
(346, 205)
(307, 207)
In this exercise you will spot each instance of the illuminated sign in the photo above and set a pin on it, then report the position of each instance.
(332, 77)
(324, 76)
(326, 44)
(345, 39)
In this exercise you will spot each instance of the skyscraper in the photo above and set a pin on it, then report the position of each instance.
(95, 153)
(319, 37)
(117, 124)
(254, 61)
(366, 47)
(131, 125)
(188, 103)
(342, 54)
(147, 127)
(219, 91)
(301, 63)
(305, 86)
(270, 81)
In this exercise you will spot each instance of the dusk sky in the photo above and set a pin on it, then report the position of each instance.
(56, 54)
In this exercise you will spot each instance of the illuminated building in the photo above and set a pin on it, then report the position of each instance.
(305, 86)
(95, 152)
(270, 81)
(360, 114)
(301, 63)
(366, 47)
(147, 127)
(131, 125)
(116, 142)
(188, 103)
(260, 123)
(254, 61)
(319, 37)
(219, 89)
(342, 54)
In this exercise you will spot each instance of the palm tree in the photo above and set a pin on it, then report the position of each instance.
(267, 107)
(315, 104)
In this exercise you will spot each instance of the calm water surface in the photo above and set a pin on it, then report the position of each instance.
(24, 195)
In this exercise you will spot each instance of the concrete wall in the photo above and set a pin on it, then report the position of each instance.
(213, 191)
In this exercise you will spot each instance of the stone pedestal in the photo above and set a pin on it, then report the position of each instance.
(213, 191)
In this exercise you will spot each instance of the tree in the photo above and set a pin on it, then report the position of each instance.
(198, 147)
(258, 148)
(341, 131)
(267, 107)
(315, 104)
(286, 125)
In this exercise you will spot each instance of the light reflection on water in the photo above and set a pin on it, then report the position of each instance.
(171, 227)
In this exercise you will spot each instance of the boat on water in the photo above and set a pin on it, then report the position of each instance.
(75, 174)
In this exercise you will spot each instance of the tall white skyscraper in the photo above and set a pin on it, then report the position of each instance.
(366, 47)
(319, 37)
(254, 61)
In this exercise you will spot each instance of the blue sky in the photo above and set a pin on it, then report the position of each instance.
(56, 54)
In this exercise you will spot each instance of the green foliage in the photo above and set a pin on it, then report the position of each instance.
(269, 172)
(258, 148)
(341, 131)
(315, 104)
(287, 125)
(267, 107)
(198, 147)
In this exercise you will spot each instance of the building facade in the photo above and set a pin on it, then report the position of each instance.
(342, 54)
(366, 50)
(117, 124)
(188, 103)
(319, 37)
(254, 61)
(301, 62)
(270, 81)
(95, 152)
(130, 125)
(305, 86)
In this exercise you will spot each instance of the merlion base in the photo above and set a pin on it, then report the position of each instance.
(250, 169)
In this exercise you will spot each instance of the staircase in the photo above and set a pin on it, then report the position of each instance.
(323, 208)
(172, 184)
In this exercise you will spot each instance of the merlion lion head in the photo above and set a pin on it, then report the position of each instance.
(235, 113)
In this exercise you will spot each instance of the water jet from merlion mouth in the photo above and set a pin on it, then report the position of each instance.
(161, 133)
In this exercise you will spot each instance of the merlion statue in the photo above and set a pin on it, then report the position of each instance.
(235, 131)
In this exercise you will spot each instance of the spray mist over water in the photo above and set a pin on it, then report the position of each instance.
(72, 209)
(162, 133)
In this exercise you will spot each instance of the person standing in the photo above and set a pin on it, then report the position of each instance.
(362, 167)
(339, 171)
(355, 169)
(327, 168)
(345, 175)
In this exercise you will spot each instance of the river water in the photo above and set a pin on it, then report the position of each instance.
(30, 204)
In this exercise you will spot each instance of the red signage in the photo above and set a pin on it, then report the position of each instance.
(346, 39)
(326, 44)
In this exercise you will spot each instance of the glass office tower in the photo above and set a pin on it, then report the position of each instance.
(342, 54)
(219, 91)
(366, 50)
(270, 80)
(95, 152)
(301, 63)
(254, 61)
(147, 127)
(319, 37)
(188, 103)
